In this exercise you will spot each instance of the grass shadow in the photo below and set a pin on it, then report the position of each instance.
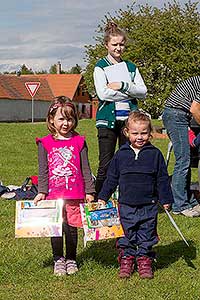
(168, 254)
(103, 252)
(48, 262)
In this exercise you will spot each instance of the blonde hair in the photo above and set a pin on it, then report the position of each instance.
(111, 29)
(138, 115)
(68, 111)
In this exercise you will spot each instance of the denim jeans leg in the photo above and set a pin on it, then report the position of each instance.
(176, 122)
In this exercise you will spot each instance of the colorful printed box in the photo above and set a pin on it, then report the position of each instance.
(100, 222)
(43, 220)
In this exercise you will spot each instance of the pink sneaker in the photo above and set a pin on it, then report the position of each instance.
(60, 267)
(71, 266)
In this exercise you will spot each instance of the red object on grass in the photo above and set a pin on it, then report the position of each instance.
(34, 179)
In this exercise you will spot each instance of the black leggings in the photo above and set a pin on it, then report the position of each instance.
(107, 139)
(71, 240)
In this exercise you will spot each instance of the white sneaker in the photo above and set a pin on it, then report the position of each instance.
(190, 212)
(71, 266)
(196, 208)
(60, 267)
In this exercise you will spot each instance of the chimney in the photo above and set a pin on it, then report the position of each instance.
(58, 67)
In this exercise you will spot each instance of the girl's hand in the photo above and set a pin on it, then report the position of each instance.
(102, 202)
(89, 198)
(166, 206)
(116, 86)
(39, 197)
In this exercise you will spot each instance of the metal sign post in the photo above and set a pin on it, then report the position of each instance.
(32, 111)
(32, 88)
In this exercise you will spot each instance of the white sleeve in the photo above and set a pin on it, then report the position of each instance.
(137, 88)
(103, 92)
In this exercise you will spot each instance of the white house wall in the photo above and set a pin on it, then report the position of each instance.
(21, 110)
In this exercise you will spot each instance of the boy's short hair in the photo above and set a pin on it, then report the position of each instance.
(139, 115)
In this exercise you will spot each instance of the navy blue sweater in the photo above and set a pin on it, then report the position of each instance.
(142, 180)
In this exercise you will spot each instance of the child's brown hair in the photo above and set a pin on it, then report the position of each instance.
(111, 29)
(138, 115)
(68, 110)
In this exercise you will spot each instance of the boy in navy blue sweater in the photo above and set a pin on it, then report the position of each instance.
(141, 173)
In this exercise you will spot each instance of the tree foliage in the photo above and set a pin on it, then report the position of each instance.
(164, 43)
(24, 70)
(75, 70)
(42, 71)
(53, 69)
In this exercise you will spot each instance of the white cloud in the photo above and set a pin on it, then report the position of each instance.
(39, 33)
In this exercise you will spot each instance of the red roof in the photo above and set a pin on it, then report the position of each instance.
(51, 85)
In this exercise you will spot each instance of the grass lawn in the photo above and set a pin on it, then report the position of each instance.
(26, 264)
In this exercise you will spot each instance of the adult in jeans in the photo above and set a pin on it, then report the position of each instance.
(182, 104)
(116, 98)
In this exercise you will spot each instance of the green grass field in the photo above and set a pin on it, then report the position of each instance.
(26, 264)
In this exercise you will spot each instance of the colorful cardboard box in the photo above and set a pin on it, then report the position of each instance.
(100, 221)
(43, 220)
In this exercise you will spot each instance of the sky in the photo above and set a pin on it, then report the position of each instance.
(39, 33)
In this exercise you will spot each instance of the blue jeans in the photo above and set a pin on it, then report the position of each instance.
(176, 122)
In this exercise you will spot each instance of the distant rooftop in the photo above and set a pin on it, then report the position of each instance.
(51, 85)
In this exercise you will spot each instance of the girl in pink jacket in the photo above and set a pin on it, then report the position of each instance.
(64, 173)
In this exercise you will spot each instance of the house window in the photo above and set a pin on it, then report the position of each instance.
(83, 109)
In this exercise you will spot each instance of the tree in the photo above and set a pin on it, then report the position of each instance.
(75, 70)
(164, 44)
(53, 69)
(24, 70)
(41, 72)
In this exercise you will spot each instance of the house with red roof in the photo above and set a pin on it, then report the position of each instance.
(16, 104)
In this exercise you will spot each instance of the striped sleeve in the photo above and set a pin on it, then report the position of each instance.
(185, 93)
